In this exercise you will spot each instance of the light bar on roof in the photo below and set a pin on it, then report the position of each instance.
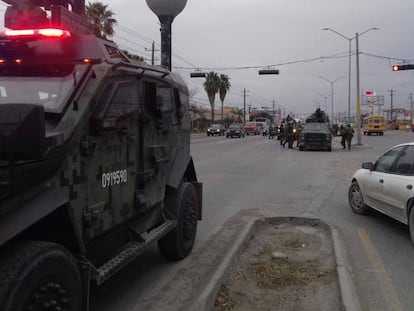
(44, 32)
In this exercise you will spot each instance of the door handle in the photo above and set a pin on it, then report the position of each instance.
(381, 181)
(409, 187)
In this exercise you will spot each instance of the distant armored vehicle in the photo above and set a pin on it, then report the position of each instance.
(316, 134)
(95, 165)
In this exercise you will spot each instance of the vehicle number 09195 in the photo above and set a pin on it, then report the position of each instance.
(114, 178)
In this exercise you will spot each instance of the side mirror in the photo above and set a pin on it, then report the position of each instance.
(368, 166)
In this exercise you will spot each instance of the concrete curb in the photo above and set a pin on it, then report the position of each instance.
(206, 299)
(346, 285)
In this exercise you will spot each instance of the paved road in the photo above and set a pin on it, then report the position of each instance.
(255, 176)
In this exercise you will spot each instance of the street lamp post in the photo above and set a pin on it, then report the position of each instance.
(332, 101)
(318, 103)
(358, 105)
(166, 10)
(325, 97)
(349, 67)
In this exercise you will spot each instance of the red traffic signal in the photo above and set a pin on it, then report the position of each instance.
(402, 67)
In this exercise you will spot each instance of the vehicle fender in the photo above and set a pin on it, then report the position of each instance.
(24, 215)
(183, 169)
(181, 162)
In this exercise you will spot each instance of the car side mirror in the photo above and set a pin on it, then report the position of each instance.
(368, 166)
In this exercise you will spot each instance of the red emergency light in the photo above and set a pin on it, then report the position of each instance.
(44, 32)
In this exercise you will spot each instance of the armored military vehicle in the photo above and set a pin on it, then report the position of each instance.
(95, 164)
(316, 133)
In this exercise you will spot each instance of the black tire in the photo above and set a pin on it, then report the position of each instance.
(411, 223)
(356, 200)
(35, 275)
(300, 148)
(179, 242)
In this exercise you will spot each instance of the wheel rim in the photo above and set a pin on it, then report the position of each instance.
(48, 295)
(356, 200)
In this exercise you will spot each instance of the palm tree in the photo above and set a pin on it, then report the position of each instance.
(212, 86)
(224, 87)
(101, 18)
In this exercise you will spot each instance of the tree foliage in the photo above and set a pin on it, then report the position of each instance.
(101, 18)
(212, 86)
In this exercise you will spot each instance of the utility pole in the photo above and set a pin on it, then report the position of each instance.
(273, 111)
(244, 106)
(392, 102)
(152, 52)
(411, 111)
(358, 104)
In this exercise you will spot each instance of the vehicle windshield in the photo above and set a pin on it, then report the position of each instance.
(251, 123)
(234, 126)
(49, 88)
(215, 126)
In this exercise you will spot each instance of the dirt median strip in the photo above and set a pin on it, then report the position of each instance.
(288, 281)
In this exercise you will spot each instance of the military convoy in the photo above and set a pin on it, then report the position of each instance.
(95, 164)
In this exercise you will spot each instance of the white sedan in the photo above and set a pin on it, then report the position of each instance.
(386, 186)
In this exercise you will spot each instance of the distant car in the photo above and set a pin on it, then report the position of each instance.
(252, 128)
(216, 129)
(386, 186)
(235, 130)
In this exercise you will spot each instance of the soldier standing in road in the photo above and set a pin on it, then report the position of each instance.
(349, 133)
(342, 132)
(281, 134)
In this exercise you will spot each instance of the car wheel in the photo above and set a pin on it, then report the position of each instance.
(356, 200)
(178, 243)
(38, 276)
(411, 223)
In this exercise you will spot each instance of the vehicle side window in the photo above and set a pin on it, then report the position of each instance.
(124, 101)
(405, 162)
(164, 98)
(385, 162)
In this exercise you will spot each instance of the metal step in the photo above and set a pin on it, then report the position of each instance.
(130, 252)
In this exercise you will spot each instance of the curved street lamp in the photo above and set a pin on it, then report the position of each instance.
(166, 10)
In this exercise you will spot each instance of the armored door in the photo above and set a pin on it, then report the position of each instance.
(111, 166)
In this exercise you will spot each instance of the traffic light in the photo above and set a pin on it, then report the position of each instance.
(198, 75)
(402, 67)
(269, 72)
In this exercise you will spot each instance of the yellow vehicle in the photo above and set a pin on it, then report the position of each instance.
(374, 125)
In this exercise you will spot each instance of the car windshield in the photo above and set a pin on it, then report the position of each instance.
(234, 126)
(49, 87)
(251, 123)
(217, 126)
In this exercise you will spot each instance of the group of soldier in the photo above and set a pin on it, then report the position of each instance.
(289, 133)
(347, 133)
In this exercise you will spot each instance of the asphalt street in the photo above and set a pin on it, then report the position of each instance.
(254, 176)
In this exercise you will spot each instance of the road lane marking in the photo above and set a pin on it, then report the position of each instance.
(386, 286)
